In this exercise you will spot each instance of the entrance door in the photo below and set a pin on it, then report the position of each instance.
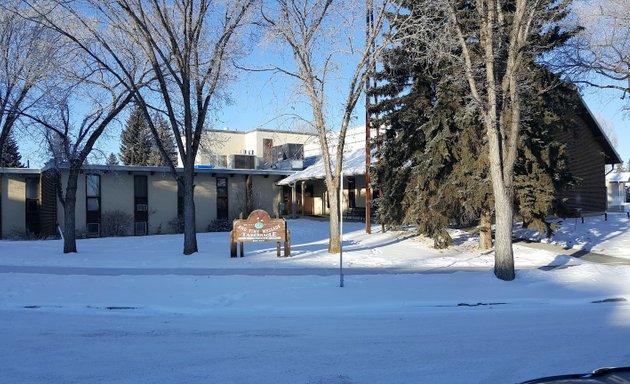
(309, 200)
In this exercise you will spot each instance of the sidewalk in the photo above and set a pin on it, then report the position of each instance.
(577, 253)
(109, 271)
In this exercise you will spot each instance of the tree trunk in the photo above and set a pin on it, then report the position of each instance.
(334, 244)
(190, 229)
(69, 213)
(485, 230)
(503, 254)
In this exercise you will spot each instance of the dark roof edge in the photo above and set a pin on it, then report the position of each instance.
(20, 171)
(136, 168)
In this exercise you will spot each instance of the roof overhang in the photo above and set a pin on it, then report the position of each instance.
(20, 171)
(201, 170)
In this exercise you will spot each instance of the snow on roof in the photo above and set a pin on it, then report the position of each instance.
(618, 177)
(353, 164)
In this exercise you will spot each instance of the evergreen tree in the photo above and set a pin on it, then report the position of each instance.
(135, 140)
(542, 165)
(112, 159)
(11, 157)
(166, 138)
(432, 169)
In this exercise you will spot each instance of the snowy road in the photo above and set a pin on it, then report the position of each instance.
(425, 345)
(134, 310)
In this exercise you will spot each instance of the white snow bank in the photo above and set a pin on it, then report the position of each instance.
(608, 237)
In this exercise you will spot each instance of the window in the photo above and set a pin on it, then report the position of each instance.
(93, 185)
(222, 198)
(141, 205)
(351, 192)
(93, 204)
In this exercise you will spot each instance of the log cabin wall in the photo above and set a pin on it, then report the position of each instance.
(589, 152)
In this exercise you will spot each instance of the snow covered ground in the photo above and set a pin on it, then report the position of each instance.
(596, 234)
(134, 310)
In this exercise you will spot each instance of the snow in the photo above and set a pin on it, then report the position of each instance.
(134, 310)
(609, 237)
(618, 177)
(353, 164)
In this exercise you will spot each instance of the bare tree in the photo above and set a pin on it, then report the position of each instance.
(71, 142)
(187, 45)
(28, 54)
(324, 38)
(600, 55)
(90, 89)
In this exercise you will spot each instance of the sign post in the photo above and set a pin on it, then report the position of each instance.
(260, 227)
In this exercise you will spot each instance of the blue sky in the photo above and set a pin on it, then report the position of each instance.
(260, 100)
(607, 108)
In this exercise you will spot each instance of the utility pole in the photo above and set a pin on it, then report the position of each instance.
(369, 19)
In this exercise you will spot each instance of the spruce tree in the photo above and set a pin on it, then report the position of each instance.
(165, 137)
(432, 168)
(112, 159)
(11, 157)
(135, 140)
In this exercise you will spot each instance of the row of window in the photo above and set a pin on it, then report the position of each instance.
(141, 203)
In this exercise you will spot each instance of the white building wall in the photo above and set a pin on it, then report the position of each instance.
(226, 143)
(13, 191)
(162, 190)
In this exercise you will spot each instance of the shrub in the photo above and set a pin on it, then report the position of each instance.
(176, 224)
(115, 223)
(222, 225)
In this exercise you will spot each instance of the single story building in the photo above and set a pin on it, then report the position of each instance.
(19, 201)
(148, 196)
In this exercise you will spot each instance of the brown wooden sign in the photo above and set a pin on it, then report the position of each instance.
(260, 227)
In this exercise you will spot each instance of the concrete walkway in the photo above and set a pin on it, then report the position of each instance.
(109, 271)
(577, 253)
